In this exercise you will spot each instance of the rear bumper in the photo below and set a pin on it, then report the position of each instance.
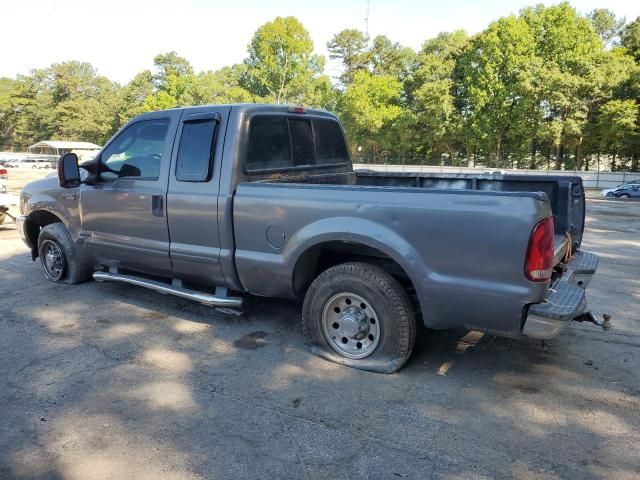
(566, 300)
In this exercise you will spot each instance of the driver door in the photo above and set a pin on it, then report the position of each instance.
(123, 217)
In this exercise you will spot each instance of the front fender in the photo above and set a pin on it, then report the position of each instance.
(46, 196)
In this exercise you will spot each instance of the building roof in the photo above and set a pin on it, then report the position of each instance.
(63, 144)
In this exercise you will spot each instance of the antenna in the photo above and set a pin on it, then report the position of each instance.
(366, 18)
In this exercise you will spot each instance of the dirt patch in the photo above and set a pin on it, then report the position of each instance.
(251, 341)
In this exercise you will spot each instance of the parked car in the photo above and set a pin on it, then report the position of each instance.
(12, 163)
(4, 176)
(30, 163)
(631, 190)
(263, 200)
(608, 192)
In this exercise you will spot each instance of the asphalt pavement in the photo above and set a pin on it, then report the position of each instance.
(108, 381)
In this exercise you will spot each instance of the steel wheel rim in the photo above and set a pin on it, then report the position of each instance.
(350, 325)
(53, 260)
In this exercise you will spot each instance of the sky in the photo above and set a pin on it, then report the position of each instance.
(121, 37)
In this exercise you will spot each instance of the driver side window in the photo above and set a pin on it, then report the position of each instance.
(137, 151)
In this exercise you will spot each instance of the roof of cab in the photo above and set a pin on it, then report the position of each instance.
(254, 107)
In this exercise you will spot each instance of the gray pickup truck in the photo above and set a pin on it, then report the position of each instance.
(216, 202)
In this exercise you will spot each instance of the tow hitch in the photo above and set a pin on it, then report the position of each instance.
(5, 210)
(591, 318)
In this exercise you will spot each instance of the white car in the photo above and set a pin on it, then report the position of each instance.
(608, 192)
(12, 163)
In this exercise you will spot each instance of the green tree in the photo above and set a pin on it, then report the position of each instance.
(223, 86)
(7, 86)
(606, 24)
(350, 46)
(369, 108)
(85, 102)
(174, 83)
(391, 58)
(170, 64)
(618, 126)
(133, 96)
(567, 48)
(32, 108)
(492, 86)
(438, 123)
(281, 61)
(67, 101)
(321, 94)
(631, 38)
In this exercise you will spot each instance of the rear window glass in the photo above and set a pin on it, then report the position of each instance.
(330, 145)
(268, 143)
(302, 142)
(286, 142)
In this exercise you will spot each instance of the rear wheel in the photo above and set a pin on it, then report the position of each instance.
(2, 217)
(358, 315)
(58, 256)
(625, 195)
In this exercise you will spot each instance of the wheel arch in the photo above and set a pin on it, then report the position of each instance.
(364, 241)
(36, 221)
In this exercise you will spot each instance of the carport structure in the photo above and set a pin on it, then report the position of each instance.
(58, 147)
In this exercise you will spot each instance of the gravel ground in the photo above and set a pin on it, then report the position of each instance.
(107, 381)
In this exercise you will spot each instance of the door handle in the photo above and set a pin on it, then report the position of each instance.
(157, 205)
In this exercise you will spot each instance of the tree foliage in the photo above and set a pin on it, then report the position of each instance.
(350, 46)
(281, 63)
(548, 87)
(606, 24)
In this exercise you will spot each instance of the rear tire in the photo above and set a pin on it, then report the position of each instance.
(59, 258)
(358, 315)
(2, 217)
(625, 196)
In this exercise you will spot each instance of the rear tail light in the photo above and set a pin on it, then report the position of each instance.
(3, 173)
(538, 265)
(297, 110)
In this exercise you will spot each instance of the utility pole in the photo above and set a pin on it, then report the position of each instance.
(366, 18)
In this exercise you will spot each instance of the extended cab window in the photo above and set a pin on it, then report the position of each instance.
(195, 153)
(137, 151)
(287, 142)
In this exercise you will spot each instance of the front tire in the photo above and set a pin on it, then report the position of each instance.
(58, 256)
(358, 315)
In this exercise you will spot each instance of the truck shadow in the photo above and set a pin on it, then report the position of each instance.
(112, 381)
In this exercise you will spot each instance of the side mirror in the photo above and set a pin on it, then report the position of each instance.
(68, 171)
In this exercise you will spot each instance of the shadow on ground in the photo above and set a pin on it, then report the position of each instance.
(112, 381)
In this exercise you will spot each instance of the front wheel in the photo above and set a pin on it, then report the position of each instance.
(58, 256)
(357, 315)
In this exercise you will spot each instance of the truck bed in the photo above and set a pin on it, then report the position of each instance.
(565, 194)
(452, 243)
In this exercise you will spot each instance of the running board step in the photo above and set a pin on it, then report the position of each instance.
(178, 291)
